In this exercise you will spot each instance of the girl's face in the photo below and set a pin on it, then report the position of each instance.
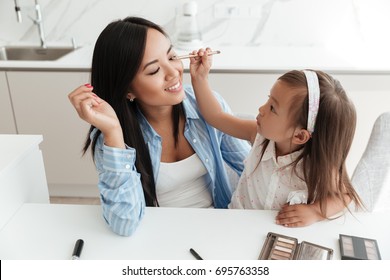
(273, 120)
(159, 78)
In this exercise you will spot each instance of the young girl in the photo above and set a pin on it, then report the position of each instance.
(300, 141)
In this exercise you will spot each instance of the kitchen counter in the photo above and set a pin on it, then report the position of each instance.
(261, 59)
(78, 60)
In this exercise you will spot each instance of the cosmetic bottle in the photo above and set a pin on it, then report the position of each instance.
(189, 36)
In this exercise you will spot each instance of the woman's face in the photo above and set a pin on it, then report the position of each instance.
(159, 78)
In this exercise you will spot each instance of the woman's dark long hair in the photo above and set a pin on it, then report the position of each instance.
(117, 56)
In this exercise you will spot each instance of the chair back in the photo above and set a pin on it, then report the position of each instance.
(22, 174)
(371, 177)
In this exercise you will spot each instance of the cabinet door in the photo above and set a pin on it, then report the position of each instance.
(7, 121)
(41, 106)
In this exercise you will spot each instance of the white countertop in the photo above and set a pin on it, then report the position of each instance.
(246, 59)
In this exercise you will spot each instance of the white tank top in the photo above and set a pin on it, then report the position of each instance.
(184, 183)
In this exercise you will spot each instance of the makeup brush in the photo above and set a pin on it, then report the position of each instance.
(193, 55)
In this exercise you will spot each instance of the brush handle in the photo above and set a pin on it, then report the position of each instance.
(193, 55)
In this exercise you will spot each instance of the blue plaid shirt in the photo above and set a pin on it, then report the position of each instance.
(119, 184)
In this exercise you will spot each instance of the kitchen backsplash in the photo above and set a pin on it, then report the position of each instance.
(306, 23)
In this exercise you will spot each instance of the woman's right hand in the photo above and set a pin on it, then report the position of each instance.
(98, 113)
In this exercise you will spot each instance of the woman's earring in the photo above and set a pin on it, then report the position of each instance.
(130, 97)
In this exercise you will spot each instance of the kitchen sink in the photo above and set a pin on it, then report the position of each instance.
(33, 53)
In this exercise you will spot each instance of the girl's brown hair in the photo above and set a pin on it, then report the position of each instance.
(324, 155)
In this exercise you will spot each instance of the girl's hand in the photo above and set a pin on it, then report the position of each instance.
(94, 110)
(200, 65)
(298, 215)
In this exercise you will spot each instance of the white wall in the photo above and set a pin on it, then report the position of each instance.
(253, 22)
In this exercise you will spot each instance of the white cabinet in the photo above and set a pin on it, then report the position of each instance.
(245, 92)
(41, 106)
(7, 121)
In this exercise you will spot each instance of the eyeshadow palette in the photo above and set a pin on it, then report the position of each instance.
(358, 248)
(282, 247)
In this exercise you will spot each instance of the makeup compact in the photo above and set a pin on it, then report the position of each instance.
(282, 247)
(358, 248)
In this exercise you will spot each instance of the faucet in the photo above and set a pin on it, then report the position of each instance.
(38, 21)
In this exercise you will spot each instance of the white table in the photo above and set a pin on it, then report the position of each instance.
(49, 231)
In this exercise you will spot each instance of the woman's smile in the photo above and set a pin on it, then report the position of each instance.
(174, 88)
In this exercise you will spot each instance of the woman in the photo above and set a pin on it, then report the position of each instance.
(150, 145)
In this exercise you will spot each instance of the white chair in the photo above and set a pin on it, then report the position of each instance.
(371, 177)
(22, 174)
